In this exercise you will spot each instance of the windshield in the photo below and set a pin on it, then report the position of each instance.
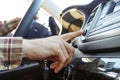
(13, 8)
(17, 8)
(66, 3)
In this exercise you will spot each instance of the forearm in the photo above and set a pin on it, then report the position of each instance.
(33, 49)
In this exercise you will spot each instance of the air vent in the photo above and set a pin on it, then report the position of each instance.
(94, 16)
(103, 31)
(107, 21)
(117, 8)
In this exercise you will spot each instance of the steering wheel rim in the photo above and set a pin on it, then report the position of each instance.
(27, 19)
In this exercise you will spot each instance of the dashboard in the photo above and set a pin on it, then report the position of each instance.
(102, 31)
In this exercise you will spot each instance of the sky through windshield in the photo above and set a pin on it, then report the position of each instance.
(65, 3)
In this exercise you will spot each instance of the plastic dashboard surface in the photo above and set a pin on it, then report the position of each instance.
(102, 30)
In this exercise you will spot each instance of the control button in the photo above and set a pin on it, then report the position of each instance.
(84, 33)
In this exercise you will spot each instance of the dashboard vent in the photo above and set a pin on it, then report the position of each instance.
(102, 29)
(103, 21)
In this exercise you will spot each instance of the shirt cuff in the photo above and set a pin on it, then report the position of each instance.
(10, 52)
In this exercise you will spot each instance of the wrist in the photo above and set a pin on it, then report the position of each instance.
(26, 46)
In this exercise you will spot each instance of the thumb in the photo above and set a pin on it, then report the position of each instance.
(71, 35)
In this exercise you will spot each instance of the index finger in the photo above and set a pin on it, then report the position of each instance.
(71, 35)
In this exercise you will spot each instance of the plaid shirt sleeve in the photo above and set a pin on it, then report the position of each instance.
(10, 52)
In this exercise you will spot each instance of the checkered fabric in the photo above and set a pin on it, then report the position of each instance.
(10, 52)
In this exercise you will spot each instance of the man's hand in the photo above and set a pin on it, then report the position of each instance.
(53, 48)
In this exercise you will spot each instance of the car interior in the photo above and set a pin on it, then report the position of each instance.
(97, 51)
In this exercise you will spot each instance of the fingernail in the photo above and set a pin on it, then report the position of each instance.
(51, 67)
(82, 30)
(84, 33)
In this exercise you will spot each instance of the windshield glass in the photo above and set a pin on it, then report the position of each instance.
(13, 8)
(66, 3)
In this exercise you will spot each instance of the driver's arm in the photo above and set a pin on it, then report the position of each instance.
(55, 48)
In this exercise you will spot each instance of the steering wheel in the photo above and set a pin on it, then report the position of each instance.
(28, 18)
